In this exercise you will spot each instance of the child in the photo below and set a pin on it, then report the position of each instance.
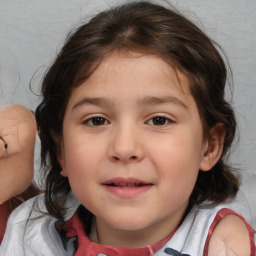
(134, 122)
(17, 139)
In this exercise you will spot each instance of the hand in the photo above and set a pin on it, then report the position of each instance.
(2, 147)
(10, 134)
(18, 131)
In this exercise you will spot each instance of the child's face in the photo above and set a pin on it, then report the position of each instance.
(133, 144)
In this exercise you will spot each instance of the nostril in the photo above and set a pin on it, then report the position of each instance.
(115, 158)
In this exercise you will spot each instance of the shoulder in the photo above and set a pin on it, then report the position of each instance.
(233, 228)
(31, 230)
(26, 210)
(244, 203)
(22, 221)
(230, 237)
(195, 232)
(20, 216)
(191, 235)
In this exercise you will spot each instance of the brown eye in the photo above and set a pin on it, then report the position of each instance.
(159, 120)
(96, 121)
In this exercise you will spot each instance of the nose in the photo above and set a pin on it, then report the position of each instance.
(126, 145)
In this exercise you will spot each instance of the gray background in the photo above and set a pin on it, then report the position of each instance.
(32, 32)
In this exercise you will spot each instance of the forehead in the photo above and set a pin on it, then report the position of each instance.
(126, 69)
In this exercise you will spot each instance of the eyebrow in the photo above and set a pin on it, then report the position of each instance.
(92, 101)
(148, 100)
(162, 100)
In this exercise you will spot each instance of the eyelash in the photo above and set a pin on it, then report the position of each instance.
(96, 119)
(160, 118)
(100, 121)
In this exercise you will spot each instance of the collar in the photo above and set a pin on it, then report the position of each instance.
(74, 228)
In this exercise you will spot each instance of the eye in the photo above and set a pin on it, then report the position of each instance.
(159, 120)
(96, 121)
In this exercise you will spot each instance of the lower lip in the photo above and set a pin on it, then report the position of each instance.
(127, 192)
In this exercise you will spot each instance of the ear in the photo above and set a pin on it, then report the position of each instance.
(62, 162)
(60, 152)
(214, 147)
(64, 173)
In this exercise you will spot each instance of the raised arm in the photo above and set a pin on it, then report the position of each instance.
(17, 139)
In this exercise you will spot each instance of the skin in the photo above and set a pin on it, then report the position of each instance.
(135, 118)
(18, 130)
(2, 147)
(230, 238)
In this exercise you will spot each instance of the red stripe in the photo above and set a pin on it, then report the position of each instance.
(4, 214)
(75, 228)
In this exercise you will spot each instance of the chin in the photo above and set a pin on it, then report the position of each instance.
(129, 223)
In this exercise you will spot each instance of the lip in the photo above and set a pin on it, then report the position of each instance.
(126, 187)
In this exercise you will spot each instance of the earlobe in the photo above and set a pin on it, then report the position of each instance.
(59, 152)
(64, 173)
(55, 137)
(214, 147)
(61, 161)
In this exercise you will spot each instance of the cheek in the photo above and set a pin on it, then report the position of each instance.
(82, 158)
(80, 168)
(83, 165)
(177, 162)
(180, 151)
(80, 148)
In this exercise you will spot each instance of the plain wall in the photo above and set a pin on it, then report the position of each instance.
(32, 32)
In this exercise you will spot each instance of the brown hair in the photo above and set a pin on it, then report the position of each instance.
(151, 29)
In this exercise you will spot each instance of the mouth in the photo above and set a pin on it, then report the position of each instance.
(126, 185)
(126, 188)
(126, 182)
